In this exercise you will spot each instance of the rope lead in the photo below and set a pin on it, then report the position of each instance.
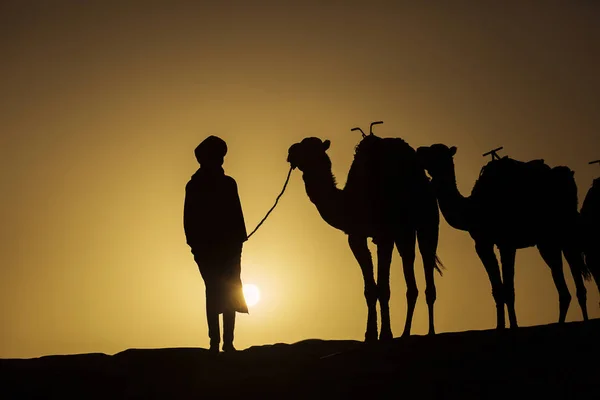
(274, 205)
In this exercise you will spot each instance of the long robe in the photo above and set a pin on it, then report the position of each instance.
(215, 231)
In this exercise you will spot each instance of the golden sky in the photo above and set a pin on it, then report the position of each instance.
(103, 103)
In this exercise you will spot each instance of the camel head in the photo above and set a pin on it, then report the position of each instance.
(309, 154)
(436, 159)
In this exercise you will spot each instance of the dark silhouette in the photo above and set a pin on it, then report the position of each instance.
(387, 197)
(590, 218)
(539, 362)
(215, 231)
(513, 205)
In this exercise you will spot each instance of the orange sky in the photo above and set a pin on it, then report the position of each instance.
(103, 103)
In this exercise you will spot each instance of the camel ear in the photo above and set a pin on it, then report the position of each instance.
(453, 150)
(326, 144)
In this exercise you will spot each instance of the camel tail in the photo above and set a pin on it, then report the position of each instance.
(585, 270)
(575, 255)
(438, 265)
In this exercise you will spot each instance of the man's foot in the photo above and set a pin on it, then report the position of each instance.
(214, 348)
(228, 348)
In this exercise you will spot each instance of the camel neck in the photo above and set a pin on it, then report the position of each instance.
(323, 192)
(453, 205)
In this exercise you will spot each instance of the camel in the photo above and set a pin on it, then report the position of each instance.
(513, 205)
(590, 217)
(388, 198)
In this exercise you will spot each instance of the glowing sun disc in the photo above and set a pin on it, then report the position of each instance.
(251, 294)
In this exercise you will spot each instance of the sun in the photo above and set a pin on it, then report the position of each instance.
(251, 294)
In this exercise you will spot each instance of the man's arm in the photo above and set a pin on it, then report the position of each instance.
(191, 216)
(240, 223)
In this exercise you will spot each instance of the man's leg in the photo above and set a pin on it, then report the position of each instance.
(228, 328)
(212, 317)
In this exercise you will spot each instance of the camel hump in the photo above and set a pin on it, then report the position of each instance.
(590, 210)
(382, 156)
(374, 146)
(505, 173)
(380, 166)
(396, 159)
(563, 170)
(539, 163)
(507, 166)
(398, 143)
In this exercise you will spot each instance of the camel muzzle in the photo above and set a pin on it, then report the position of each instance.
(293, 156)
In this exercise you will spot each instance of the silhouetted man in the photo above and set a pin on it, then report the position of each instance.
(215, 231)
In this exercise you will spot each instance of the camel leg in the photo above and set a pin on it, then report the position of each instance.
(428, 241)
(358, 245)
(385, 249)
(507, 259)
(406, 247)
(485, 251)
(592, 260)
(552, 255)
(577, 265)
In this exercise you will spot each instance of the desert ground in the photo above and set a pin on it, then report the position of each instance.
(550, 361)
